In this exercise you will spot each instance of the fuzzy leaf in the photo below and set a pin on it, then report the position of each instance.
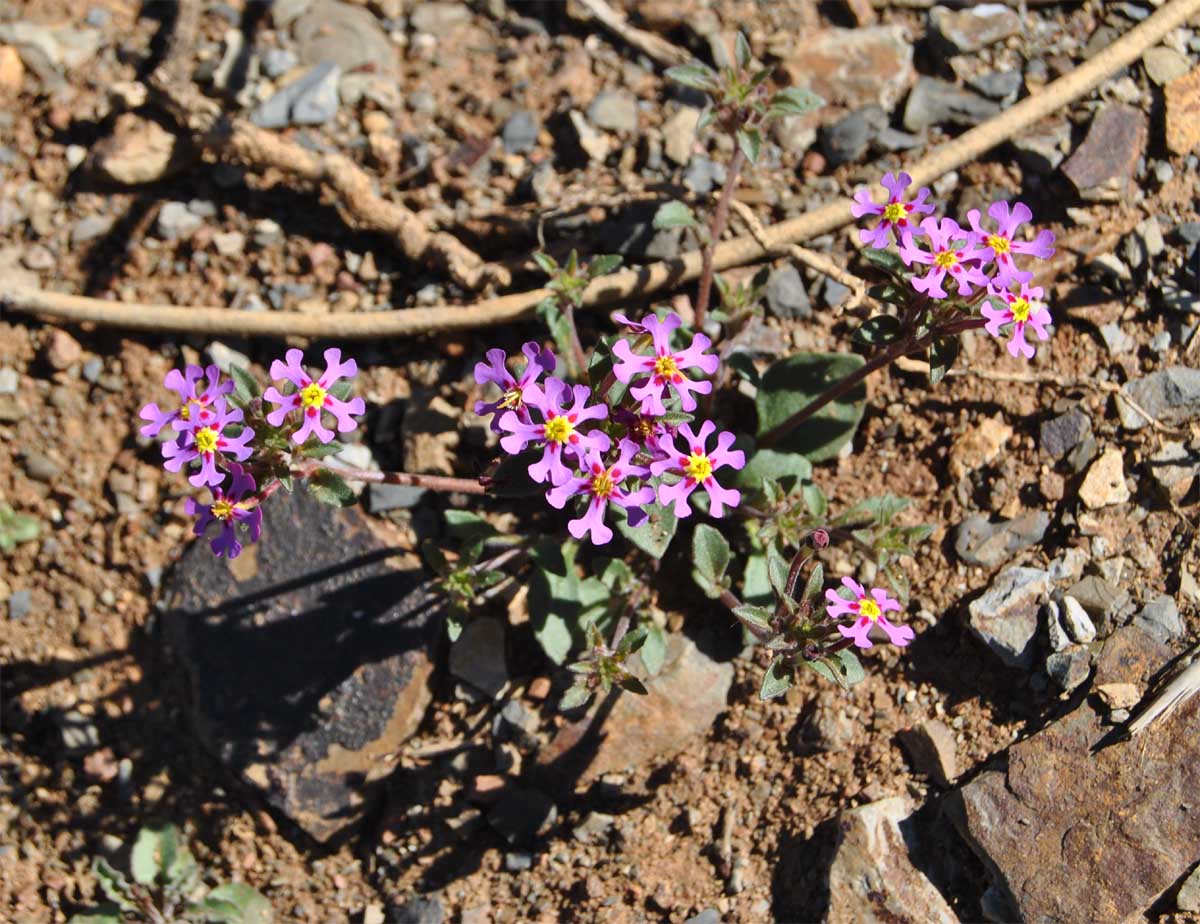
(113, 884)
(603, 264)
(342, 389)
(674, 214)
(790, 468)
(466, 524)
(236, 903)
(942, 354)
(755, 615)
(631, 684)
(843, 668)
(695, 75)
(710, 559)
(654, 651)
(110, 915)
(881, 329)
(562, 603)
(546, 262)
(815, 584)
(151, 853)
(791, 383)
(330, 488)
(632, 641)
(577, 695)
(652, 535)
(793, 101)
(245, 386)
(886, 260)
(777, 570)
(750, 141)
(315, 449)
(776, 680)
(741, 50)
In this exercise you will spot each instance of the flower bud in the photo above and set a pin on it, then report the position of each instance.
(819, 538)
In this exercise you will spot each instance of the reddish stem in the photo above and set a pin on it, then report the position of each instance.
(720, 218)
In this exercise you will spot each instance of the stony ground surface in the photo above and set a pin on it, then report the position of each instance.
(465, 114)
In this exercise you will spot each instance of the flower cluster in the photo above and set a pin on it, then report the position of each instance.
(981, 257)
(865, 611)
(210, 429)
(631, 455)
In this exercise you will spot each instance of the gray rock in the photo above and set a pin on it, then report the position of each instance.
(975, 27)
(998, 85)
(1041, 149)
(41, 467)
(594, 828)
(1171, 395)
(1108, 605)
(311, 99)
(436, 17)
(1163, 172)
(614, 111)
(703, 174)
(1078, 623)
(1188, 898)
(707, 916)
(278, 61)
(1174, 468)
(517, 861)
(980, 542)
(833, 293)
(1068, 669)
(90, 227)
(520, 132)
(892, 139)
(92, 370)
(1059, 639)
(175, 221)
(418, 910)
(679, 134)
(348, 36)
(522, 814)
(477, 656)
(8, 381)
(932, 751)
(847, 139)
(1116, 340)
(76, 731)
(1059, 435)
(1160, 618)
(1164, 64)
(1005, 618)
(937, 102)
(787, 298)
(20, 602)
(381, 497)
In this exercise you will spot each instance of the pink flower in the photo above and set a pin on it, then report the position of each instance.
(636, 326)
(697, 465)
(559, 430)
(229, 508)
(1000, 244)
(1021, 308)
(665, 367)
(644, 430)
(602, 484)
(205, 439)
(866, 612)
(954, 251)
(312, 396)
(896, 211)
(194, 399)
(537, 361)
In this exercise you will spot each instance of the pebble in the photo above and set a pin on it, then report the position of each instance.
(278, 61)
(979, 446)
(309, 100)
(1164, 64)
(1068, 669)
(703, 175)
(594, 829)
(477, 656)
(938, 102)
(932, 750)
(420, 909)
(20, 602)
(520, 132)
(787, 299)
(847, 139)
(594, 144)
(1043, 148)
(1163, 172)
(614, 111)
(229, 243)
(1059, 640)
(1171, 395)
(1005, 617)
(8, 381)
(1182, 100)
(266, 231)
(90, 227)
(517, 861)
(1116, 340)
(1174, 468)
(1188, 898)
(62, 350)
(1101, 167)
(1160, 617)
(981, 542)
(435, 17)
(176, 221)
(1059, 435)
(381, 497)
(679, 135)
(707, 916)
(974, 28)
(1104, 484)
(833, 293)
(93, 369)
(1108, 605)
(1078, 623)
(998, 85)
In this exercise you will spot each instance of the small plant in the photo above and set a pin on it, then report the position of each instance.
(166, 886)
(16, 528)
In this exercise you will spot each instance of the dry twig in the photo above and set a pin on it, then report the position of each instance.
(654, 46)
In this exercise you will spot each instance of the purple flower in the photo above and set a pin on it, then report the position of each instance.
(229, 508)
(954, 251)
(205, 439)
(896, 211)
(537, 361)
(646, 431)
(636, 326)
(602, 484)
(1000, 244)
(312, 396)
(1021, 308)
(194, 400)
(866, 612)
(559, 430)
(697, 465)
(664, 367)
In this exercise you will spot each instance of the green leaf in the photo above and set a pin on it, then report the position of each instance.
(793, 101)
(759, 616)
(710, 559)
(785, 468)
(314, 449)
(152, 851)
(879, 330)
(330, 488)
(632, 641)
(101, 915)
(561, 603)
(236, 903)
(891, 293)
(843, 668)
(750, 141)
(652, 535)
(559, 327)
(777, 679)
(741, 50)
(113, 884)
(654, 651)
(631, 684)
(342, 389)
(756, 585)
(547, 263)
(674, 214)
(887, 260)
(942, 354)
(814, 585)
(577, 695)
(454, 628)
(696, 75)
(603, 264)
(245, 386)
(16, 528)
(791, 383)
(466, 524)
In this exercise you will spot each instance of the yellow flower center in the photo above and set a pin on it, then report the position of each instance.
(698, 467)
(222, 510)
(512, 398)
(603, 484)
(894, 211)
(185, 412)
(206, 439)
(665, 367)
(945, 258)
(558, 430)
(1020, 309)
(998, 244)
(312, 395)
(869, 608)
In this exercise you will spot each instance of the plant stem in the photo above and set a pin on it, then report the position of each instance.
(576, 346)
(306, 468)
(720, 218)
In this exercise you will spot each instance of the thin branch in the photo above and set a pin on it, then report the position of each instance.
(653, 46)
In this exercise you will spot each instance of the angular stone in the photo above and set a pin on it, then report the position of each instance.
(1171, 395)
(1160, 618)
(1101, 167)
(347, 36)
(1108, 605)
(1005, 618)
(854, 67)
(980, 542)
(847, 139)
(686, 696)
(872, 879)
(138, 151)
(1068, 669)
(1182, 97)
(1188, 898)
(1164, 64)
(1078, 623)
(308, 656)
(938, 102)
(614, 111)
(679, 135)
(978, 447)
(1055, 630)
(1104, 483)
(307, 100)
(787, 298)
(439, 17)
(1072, 832)
(1059, 435)
(975, 27)
(520, 132)
(477, 656)
(1174, 468)
(932, 750)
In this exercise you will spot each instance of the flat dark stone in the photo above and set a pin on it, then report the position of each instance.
(309, 658)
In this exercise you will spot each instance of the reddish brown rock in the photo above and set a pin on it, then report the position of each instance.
(1101, 167)
(854, 67)
(1182, 96)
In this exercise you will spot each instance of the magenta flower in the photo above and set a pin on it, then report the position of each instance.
(537, 361)
(954, 251)
(636, 326)
(896, 211)
(559, 430)
(1021, 309)
(1000, 245)
(229, 508)
(646, 431)
(665, 367)
(312, 396)
(602, 484)
(206, 439)
(194, 400)
(697, 465)
(866, 612)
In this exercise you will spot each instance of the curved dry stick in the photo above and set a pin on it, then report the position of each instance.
(626, 284)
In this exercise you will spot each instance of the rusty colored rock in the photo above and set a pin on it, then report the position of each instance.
(1182, 96)
(12, 71)
(1104, 483)
(979, 446)
(932, 750)
(309, 658)
(854, 67)
(1075, 832)
(1101, 167)
(138, 151)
